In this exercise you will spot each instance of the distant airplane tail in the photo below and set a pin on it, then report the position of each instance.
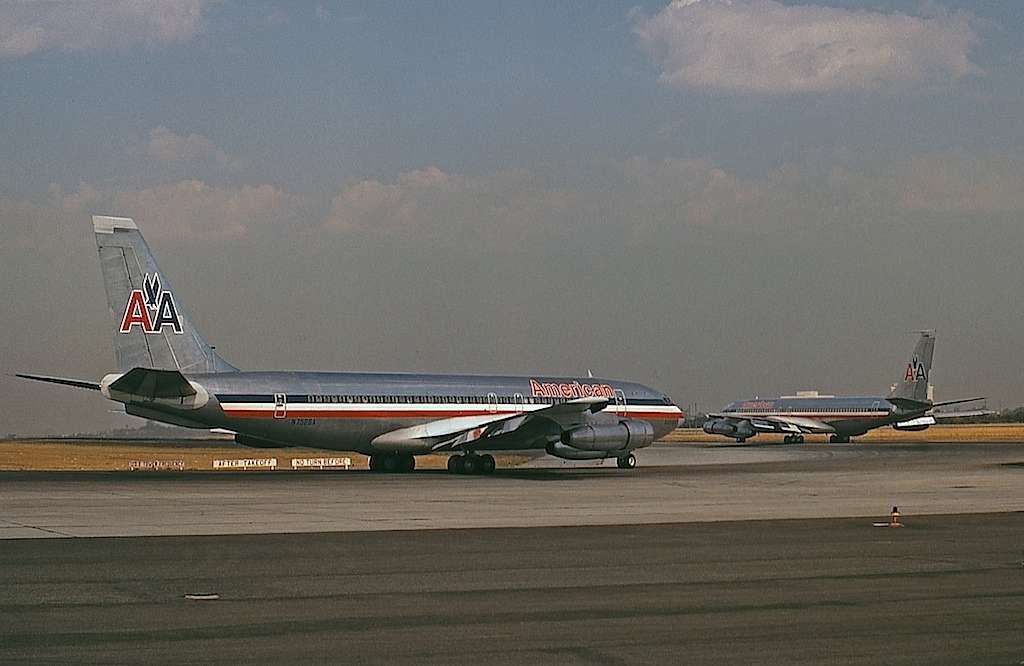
(912, 384)
(151, 330)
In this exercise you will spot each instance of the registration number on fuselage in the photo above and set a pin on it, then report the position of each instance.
(303, 422)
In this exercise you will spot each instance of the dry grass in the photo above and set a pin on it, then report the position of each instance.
(57, 455)
(982, 433)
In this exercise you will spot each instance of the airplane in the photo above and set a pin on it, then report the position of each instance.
(168, 373)
(907, 407)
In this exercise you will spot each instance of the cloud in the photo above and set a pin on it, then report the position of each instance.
(322, 13)
(167, 146)
(647, 200)
(764, 46)
(692, 190)
(74, 25)
(959, 184)
(641, 200)
(185, 210)
(431, 201)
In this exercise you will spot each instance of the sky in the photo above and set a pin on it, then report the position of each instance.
(720, 199)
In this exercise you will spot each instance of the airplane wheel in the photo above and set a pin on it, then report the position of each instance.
(454, 462)
(392, 463)
(799, 439)
(470, 464)
(740, 440)
(374, 463)
(408, 463)
(627, 461)
(788, 439)
(487, 463)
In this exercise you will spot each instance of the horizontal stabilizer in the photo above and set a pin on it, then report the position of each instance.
(911, 405)
(153, 384)
(77, 383)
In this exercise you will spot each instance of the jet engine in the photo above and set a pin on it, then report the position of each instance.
(621, 436)
(915, 425)
(727, 428)
(559, 450)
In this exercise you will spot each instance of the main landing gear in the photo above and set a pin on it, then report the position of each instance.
(392, 462)
(793, 439)
(627, 461)
(839, 439)
(471, 463)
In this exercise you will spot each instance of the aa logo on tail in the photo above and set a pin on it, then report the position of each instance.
(151, 308)
(915, 371)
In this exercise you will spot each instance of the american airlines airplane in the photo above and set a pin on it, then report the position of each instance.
(907, 407)
(168, 373)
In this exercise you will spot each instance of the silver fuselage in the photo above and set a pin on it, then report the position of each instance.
(346, 411)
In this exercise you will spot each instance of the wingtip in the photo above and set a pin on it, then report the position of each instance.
(106, 224)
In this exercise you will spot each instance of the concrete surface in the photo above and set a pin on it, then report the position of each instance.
(942, 590)
(677, 483)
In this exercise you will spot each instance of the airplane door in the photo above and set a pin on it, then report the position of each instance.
(620, 402)
(492, 402)
(280, 405)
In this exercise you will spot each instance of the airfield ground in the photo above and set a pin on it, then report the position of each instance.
(982, 433)
(84, 454)
(705, 553)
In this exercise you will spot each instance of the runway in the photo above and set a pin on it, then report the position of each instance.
(703, 554)
(675, 483)
(944, 589)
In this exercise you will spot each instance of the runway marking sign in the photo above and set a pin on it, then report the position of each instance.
(156, 465)
(246, 463)
(321, 463)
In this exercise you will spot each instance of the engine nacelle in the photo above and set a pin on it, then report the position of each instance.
(727, 428)
(915, 425)
(559, 450)
(622, 436)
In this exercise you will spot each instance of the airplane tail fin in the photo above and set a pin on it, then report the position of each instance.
(912, 384)
(151, 330)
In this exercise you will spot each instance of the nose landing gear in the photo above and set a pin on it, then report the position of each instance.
(627, 461)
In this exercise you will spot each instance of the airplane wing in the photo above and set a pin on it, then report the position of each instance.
(454, 433)
(957, 402)
(939, 416)
(780, 423)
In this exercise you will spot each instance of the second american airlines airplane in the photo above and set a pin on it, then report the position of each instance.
(168, 373)
(907, 407)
